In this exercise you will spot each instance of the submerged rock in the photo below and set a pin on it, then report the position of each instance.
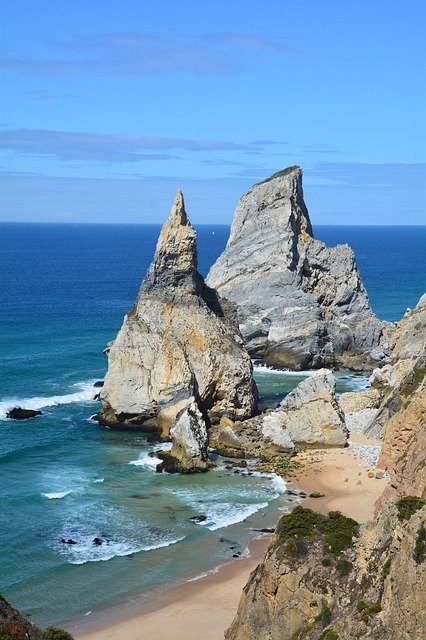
(300, 303)
(18, 413)
(178, 362)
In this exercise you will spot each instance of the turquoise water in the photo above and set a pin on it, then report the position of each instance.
(64, 291)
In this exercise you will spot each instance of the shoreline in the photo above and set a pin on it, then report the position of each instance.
(205, 606)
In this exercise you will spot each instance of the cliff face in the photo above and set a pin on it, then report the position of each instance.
(300, 303)
(406, 369)
(179, 347)
(14, 626)
(375, 585)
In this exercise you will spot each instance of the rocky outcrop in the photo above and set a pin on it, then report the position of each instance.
(300, 303)
(374, 588)
(179, 353)
(406, 369)
(403, 453)
(189, 449)
(14, 626)
(309, 416)
(18, 413)
(372, 585)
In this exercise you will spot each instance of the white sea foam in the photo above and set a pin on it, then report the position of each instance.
(97, 480)
(148, 459)
(56, 495)
(85, 392)
(85, 551)
(226, 514)
(263, 368)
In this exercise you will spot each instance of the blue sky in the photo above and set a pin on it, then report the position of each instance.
(108, 107)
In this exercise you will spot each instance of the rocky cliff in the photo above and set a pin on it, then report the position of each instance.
(322, 578)
(178, 362)
(300, 303)
(407, 366)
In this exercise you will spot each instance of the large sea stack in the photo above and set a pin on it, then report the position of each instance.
(300, 303)
(178, 362)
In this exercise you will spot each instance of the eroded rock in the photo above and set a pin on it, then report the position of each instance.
(300, 303)
(179, 351)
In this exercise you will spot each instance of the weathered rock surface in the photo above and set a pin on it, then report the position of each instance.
(14, 625)
(407, 367)
(180, 344)
(189, 436)
(359, 400)
(377, 589)
(300, 303)
(308, 416)
(298, 590)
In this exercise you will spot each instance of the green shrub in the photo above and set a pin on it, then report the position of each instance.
(339, 531)
(386, 568)
(367, 609)
(328, 634)
(327, 561)
(300, 523)
(420, 547)
(324, 617)
(54, 633)
(344, 567)
(407, 506)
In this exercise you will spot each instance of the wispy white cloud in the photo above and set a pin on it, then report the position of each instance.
(397, 174)
(42, 94)
(73, 145)
(140, 54)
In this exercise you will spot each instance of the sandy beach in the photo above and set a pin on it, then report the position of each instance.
(203, 609)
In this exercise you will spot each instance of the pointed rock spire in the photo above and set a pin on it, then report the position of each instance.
(175, 259)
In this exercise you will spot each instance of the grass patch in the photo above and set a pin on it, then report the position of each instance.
(344, 567)
(386, 568)
(325, 615)
(328, 634)
(366, 609)
(408, 506)
(420, 546)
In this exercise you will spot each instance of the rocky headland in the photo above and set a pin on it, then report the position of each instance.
(323, 577)
(300, 303)
(178, 363)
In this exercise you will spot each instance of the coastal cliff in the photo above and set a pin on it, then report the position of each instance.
(325, 578)
(178, 363)
(300, 303)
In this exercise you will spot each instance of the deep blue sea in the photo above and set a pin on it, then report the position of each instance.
(64, 290)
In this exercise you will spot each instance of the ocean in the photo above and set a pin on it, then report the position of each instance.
(64, 290)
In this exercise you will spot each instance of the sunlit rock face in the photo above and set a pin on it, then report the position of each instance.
(300, 303)
(179, 345)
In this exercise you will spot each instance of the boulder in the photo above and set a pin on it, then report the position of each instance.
(309, 416)
(300, 303)
(18, 413)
